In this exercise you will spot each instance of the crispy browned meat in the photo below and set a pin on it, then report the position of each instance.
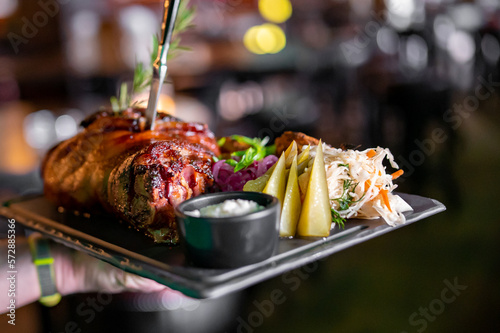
(287, 138)
(230, 146)
(140, 176)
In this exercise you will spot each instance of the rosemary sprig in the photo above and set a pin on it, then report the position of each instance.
(183, 22)
(142, 72)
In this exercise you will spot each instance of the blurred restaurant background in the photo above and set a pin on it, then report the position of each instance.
(419, 77)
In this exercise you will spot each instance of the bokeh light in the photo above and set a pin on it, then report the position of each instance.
(65, 126)
(388, 40)
(83, 47)
(238, 100)
(140, 23)
(277, 11)
(443, 29)
(466, 16)
(271, 38)
(490, 48)
(461, 47)
(250, 40)
(403, 8)
(416, 52)
(489, 5)
(400, 13)
(266, 38)
(7, 8)
(39, 129)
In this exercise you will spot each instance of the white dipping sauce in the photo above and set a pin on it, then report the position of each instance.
(227, 208)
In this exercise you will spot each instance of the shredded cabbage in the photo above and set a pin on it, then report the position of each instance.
(359, 186)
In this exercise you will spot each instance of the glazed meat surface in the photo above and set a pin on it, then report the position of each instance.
(288, 137)
(138, 175)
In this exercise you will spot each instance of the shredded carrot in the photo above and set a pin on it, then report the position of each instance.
(368, 183)
(384, 192)
(397, 174)
(371, 153)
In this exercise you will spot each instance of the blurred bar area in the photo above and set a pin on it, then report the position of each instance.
(421, 77)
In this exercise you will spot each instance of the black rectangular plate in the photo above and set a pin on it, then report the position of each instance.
(127, 249)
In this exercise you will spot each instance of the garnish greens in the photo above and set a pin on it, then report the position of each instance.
(142, 72)
(337, 219)
(257, 151)
(344, 201)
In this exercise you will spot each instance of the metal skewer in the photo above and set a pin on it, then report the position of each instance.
(171, 8)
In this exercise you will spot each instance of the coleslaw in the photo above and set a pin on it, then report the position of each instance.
(359, 186)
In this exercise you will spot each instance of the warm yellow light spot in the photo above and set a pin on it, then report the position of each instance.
(265, 38)
(270, 38)
(18, 157)
(277, 11)
(250, 40)
(166, 104)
